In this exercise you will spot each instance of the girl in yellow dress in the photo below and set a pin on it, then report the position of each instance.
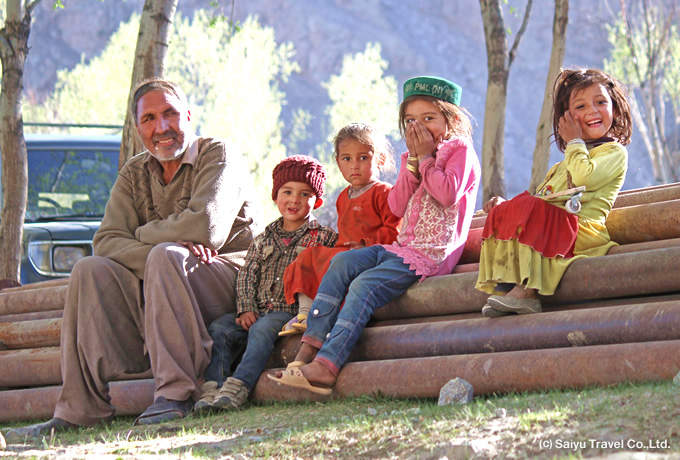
(529, 241)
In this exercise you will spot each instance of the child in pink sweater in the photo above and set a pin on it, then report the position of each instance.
(435, 193)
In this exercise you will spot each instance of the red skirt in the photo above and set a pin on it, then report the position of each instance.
(547, 229)
(304, 274)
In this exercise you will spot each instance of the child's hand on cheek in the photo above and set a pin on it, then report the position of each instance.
(569, 128)
(419, 141)
(410, 141)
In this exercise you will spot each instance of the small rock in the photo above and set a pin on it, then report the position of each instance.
(372, 411)
(3, 444)
(676, 379)
(456, 391)
(501, 412)
(453, 451)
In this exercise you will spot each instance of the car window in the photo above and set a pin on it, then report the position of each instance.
(69, 182)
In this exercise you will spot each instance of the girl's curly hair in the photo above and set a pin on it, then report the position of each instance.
(570, 81)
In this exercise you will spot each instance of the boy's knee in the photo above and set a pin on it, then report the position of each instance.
(265, 329)
(222, 325)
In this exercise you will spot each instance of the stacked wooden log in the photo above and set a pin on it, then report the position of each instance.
(612, 319)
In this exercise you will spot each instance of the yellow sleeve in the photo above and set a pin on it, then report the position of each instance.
(598, 167)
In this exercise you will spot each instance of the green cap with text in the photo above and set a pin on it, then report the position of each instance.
(435, 87)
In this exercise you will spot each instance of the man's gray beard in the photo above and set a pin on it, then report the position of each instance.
(178, 153)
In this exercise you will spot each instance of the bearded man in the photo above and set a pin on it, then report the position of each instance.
(174, 234)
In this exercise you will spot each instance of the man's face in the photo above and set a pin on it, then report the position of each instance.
(163, 124)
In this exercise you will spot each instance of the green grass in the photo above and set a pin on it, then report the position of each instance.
(555, 424)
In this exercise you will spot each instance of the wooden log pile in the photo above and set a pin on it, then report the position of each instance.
(612, 319)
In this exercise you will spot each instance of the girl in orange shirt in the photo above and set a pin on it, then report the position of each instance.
(364, 218)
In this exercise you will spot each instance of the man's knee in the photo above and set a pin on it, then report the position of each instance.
(163, 259)
(92, 267)
(166, 253)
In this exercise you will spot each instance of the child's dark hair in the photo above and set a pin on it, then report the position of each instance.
(570, 81)
(371, 137)
(457, 118)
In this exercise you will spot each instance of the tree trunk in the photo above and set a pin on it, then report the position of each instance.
(493, 174)
(152, 46)
(13, 53)
(542, 150)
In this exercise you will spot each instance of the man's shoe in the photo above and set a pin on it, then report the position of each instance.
(512, 305)
(38, 430)
(232, 395)
(164, 410)
(208, 394)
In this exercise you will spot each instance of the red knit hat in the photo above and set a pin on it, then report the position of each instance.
(299, 168)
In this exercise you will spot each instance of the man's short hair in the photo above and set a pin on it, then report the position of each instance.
(156, 84)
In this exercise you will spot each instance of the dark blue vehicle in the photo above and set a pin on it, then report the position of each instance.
(69, 182)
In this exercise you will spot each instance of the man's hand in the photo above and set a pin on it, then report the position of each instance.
(247, 319)
(205, 255)
(495, 201)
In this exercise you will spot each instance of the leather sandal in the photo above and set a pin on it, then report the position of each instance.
(293, 377)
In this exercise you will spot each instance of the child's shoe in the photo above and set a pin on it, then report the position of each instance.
(297, 325)
(301, 326)
(232, 395)
(208, 393)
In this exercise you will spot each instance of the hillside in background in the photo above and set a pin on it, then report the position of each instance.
(437, 37)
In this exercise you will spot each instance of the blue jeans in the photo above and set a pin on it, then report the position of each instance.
(229, 340)
(366, 279)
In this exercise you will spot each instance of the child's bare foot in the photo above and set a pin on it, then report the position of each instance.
(318, 374)
(307, 353)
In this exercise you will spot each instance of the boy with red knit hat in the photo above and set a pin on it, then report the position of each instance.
(261, 305)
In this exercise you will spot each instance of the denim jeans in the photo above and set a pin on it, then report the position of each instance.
(366, 279)
(229, 340)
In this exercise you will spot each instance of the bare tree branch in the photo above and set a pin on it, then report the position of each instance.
(631, 45)
(30, 5)
(520, 33)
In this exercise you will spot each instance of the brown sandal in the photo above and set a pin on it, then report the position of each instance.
(293, 377)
